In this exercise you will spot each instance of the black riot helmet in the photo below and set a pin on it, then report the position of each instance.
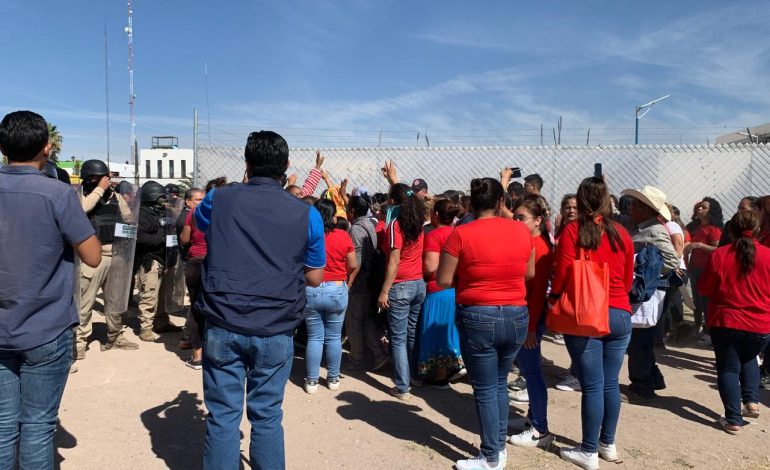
(49, 169)
(124, 187)
(91, 168)
(152, 191)
(172, 188)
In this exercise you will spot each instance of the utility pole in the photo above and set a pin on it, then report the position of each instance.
(131, 95)
(647, 107)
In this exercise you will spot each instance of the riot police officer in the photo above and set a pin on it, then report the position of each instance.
(104, 208)
(150, 261)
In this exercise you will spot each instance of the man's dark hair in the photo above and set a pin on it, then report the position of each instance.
(188, 195)
(23, 134)
(515, 189)
(358, 206)
(535, 180)
(267, 153)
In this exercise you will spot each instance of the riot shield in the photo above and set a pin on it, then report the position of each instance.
(173, 285)
(117, 287)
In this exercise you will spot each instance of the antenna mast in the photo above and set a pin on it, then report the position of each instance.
(107, 88)
(131, 96)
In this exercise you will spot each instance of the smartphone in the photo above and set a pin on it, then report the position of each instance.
(516, 172)
(598, 170)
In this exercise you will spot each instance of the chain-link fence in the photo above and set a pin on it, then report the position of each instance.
(686, 173)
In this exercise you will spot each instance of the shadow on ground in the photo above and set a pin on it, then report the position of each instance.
(402, 421)
(62, 439)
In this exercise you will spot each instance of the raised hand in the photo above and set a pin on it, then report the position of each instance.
(319, 159)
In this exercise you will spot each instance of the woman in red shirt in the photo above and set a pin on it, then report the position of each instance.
(488, 261)
(763, 210)
(195, 242)
(438, 357)
(532, 211)
(597, 361)
(705, 239)
(403, 290)
(326, 304)
(737, 281)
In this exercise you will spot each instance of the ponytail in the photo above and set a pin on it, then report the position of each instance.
(411, 214)
(595, 215)
(744, 227)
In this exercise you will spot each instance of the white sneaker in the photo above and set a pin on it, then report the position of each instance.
(459, 375)
(478, 463)
(559, 339)
(581, 459)
(518, 396)
(570, 384)
(704, 341)
(503, 458)
(333, 384)
(608, 452)
(531, 438)
(311, 386)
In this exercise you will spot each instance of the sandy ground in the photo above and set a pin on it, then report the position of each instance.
(143, 409)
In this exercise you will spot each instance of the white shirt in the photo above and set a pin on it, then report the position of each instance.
(673, 229)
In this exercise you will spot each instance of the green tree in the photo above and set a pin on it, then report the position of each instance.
(55, 139)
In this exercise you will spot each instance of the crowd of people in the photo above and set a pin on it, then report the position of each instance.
(461, 285)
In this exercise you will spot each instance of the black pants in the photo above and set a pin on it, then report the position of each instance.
(642, 368)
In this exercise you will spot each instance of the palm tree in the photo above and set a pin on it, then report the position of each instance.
(55, 139)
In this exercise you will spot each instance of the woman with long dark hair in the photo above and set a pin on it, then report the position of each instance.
(596, 361)
(326, 304)
(403, 291)
(439, 358)
(736, 281)
(532, 210)
(490, 259)
(705, 239)
(567, 213)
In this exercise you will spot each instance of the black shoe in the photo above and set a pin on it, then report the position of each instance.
(636, 398)
(519, 384)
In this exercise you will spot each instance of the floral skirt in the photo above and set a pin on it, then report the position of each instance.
(438, 339)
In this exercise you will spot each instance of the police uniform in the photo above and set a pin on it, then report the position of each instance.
(103, 214)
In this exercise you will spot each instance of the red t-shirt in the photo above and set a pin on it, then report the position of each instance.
(537, 287)
(198, 247)
(709, 235)
(493, 254)
(338, 245)
(737, 302)
(434, 243)
(621, 263)
(379, 230)
(410, 266)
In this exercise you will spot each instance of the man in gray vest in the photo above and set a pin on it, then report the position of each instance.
(264, 247)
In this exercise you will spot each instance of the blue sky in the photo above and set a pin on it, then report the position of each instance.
(338, 73)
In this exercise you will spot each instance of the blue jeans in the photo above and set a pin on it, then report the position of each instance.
(261, 363)
(490, 337)
(737, 369)
(31, 386)
(324, 316)
(643, 371)
(405, 299)
(597, 363)
(529, 362)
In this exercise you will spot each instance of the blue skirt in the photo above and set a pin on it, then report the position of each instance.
(438, 339)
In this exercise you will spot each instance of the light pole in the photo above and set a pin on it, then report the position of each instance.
(647, 107)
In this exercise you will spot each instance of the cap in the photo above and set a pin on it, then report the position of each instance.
(419, 184)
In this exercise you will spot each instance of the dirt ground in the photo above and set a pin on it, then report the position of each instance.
(143, 409)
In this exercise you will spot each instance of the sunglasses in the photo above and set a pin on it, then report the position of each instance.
(522, 217)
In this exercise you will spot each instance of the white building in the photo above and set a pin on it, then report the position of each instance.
(165, 162)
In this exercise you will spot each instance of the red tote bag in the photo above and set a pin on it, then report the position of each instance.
(583, 308)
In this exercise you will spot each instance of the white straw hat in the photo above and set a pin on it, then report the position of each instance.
(652, 197)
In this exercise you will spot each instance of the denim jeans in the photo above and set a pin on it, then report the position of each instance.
(701, 301)
(490, 338)
(643, 371)
(530, 362)
(405, 299)
(597, 363)
(737, 369)
(31, 387)
(261, 363)
(324, 317)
